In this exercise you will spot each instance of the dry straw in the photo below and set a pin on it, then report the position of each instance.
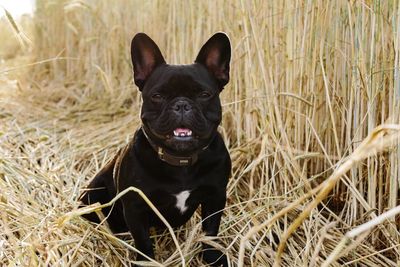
(311, 117)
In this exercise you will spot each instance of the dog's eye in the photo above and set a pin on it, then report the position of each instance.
(157, 97)
(205, 94)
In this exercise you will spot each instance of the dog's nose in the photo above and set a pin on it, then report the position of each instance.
(182, 106)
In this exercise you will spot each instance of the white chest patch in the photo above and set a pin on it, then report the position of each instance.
(181, 200)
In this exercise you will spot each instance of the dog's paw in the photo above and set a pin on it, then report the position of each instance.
(214, 257)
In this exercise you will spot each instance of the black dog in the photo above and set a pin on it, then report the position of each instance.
(177, 158)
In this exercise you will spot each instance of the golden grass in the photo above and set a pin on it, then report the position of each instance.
(311, 118)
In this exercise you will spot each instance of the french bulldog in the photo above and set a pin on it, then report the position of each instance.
(177, 157)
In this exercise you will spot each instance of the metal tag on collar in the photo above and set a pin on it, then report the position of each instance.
(184, 162)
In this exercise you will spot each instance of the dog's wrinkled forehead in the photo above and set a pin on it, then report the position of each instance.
(180, 80)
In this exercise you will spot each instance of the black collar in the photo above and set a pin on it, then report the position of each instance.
(172, 159)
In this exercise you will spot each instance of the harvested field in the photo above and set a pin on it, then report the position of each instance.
(311, 117)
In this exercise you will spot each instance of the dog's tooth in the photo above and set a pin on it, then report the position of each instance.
(175, 133)
(189, 133)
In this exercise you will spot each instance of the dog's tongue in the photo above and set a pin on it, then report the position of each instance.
(182, 132)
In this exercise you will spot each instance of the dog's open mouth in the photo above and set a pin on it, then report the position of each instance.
(182, 132)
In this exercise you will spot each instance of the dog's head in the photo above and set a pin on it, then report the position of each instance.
(181, 107)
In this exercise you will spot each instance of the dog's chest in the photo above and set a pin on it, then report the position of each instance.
(181, 199)
(178, 198)
(177, 206)
(176, 201)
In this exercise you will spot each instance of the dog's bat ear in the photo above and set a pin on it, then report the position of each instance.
(146, 57)
(215, 55)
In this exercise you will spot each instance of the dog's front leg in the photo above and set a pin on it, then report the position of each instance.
(138, 225)
(211, 212)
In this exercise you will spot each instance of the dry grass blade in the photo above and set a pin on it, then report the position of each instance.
(357, 231)
(282, 212)
(381, 138)
(97, 207)
(20, 35)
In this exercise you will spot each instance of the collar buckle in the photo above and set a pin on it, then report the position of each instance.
(160, 153)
